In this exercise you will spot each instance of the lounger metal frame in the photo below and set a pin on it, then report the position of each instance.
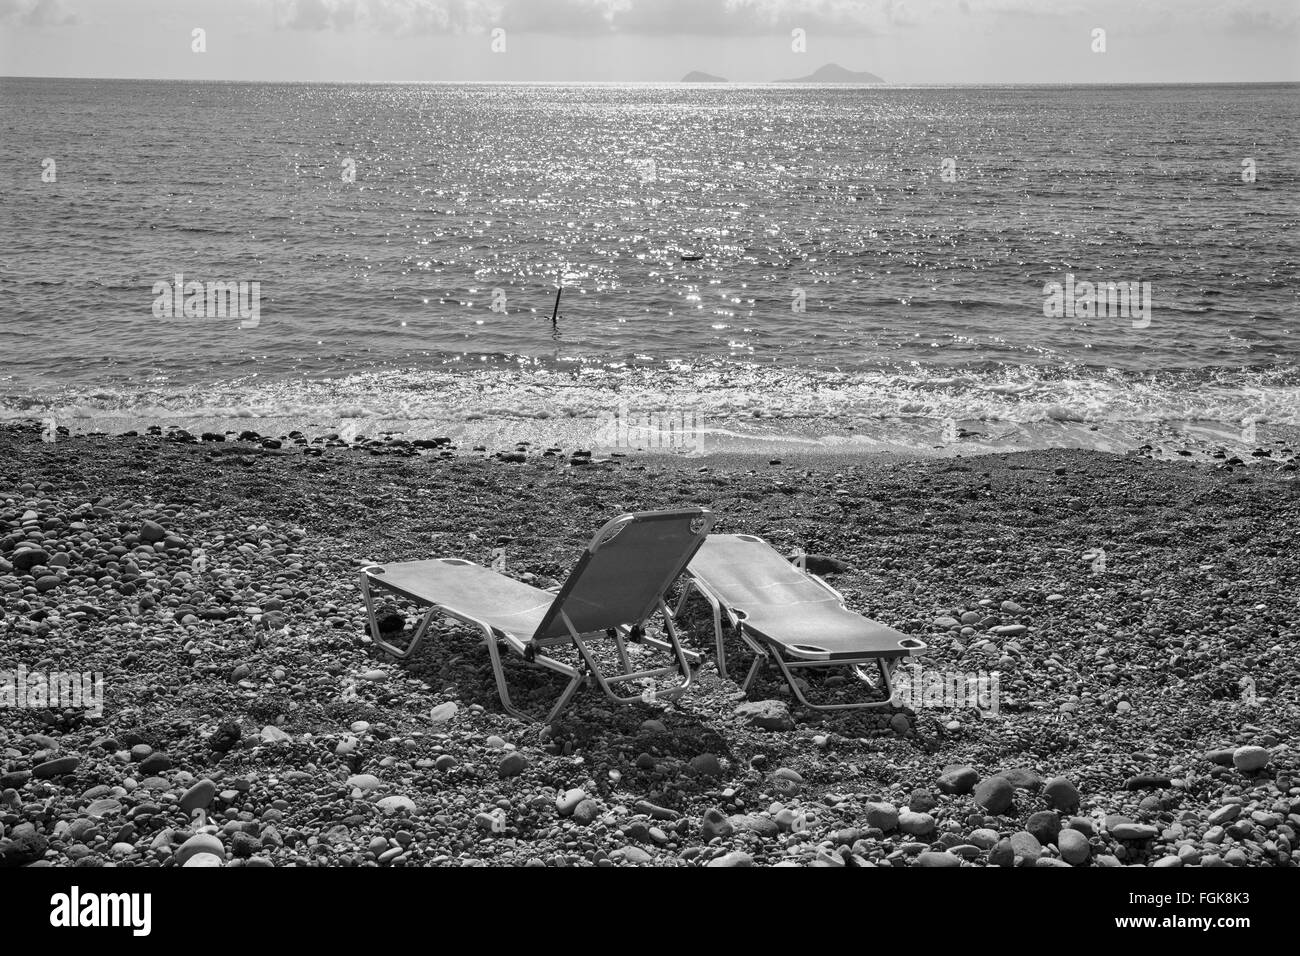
(767, 651)
(531, 648)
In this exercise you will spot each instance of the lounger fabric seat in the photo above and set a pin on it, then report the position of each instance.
(472, 591)
(789, 616)
(785, 605)
(616, 587)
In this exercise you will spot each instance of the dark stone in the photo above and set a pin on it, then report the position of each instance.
(824, 564)
(1044, 825)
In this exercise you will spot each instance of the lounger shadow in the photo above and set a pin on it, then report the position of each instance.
(616, 587)
(790, 616)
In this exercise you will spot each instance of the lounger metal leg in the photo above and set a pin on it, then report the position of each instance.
(681, 665)
(503, 690)
(684, 660)
(416, 640)
(718, 638)
(862, 705)
(622, 650)
(759, 660)
(681, 601)
(720, 647)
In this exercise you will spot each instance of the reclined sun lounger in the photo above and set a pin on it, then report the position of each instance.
(788, 615)
(617, 585)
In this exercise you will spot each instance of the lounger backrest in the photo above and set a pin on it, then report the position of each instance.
(746, 572)
(625, 571)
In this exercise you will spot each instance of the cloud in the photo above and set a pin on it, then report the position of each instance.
(585, 17)
(1258, 20)
(36, 13)
(745, 17)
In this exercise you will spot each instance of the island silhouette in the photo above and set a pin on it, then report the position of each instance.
(834, 73)
(830, 73)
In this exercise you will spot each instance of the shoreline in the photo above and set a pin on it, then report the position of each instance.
(691, 437)
(251, 668)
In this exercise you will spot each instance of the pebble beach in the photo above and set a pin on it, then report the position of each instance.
(1147, 712)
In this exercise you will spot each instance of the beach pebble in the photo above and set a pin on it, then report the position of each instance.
(916, 824)
(1062, 794)
(922, 801)
(766, 715)
(931, 859)
(1025, 846)
(442, 713)
(200, 843)
(155, 764)
(58, 767)
(1224, 814)
(1022, 778)
(513, 764)
(1133, 831)
(735, 858)
(882, 816)
(786, 782)
(633, 855)
(566, 802)
(105, 807)
(1250, 759)
(994, 794)
(27, 558)
(715, 824)
(1044, 825)
(1002, 854)
(1073, 846)
(199, 796)
(396, 803)
(706, 765)
(764, 827)
(958, 780)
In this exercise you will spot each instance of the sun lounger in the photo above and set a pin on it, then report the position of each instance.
(789, 616)
(616, 587)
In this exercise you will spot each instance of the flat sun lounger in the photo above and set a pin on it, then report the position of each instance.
(616, 587)
(790, 616)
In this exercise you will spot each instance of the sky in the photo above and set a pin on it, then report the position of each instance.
(903, 41)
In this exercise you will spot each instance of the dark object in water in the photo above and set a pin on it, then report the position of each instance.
(692, 256)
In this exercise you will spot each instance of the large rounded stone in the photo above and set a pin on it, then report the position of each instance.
(995, 794)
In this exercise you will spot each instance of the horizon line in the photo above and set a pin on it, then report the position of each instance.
(690, 83)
